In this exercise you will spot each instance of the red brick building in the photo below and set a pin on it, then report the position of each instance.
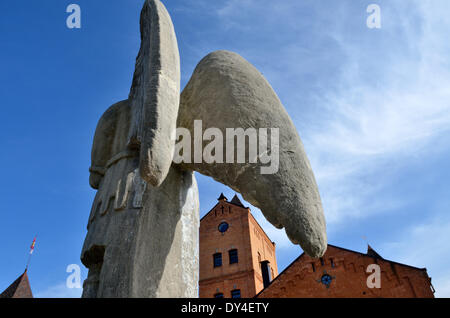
(237, 259)
(344, 273)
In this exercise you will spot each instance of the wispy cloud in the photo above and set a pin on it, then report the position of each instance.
(424, 245)
(442, 287)
(59, 291)
(370, 124)
(366, 102)
(370, 105)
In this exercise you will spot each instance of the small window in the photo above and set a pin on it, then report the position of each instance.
(218, 295)
(321, 261)
(265, 272)
(217, 259)
(236, 293)
(313, 267)
(331, 262)
(233, 256)
(223, 227)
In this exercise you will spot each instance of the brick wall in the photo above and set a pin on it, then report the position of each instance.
(262, 249)
(243, 234)
(347, 270)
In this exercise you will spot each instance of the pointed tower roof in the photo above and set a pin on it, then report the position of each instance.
(20, 288)
(236, 201)
(372, 253)
(222, 198)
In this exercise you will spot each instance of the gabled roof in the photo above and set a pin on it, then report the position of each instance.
(20, 288)
(370, 253)
(235, 201)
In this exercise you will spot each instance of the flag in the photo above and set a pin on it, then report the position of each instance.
(32, 245)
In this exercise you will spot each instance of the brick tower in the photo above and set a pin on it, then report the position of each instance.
(237, 258)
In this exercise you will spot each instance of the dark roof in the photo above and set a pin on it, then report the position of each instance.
(370, 252)
(237, 202)
(20, 288)
(222, 197)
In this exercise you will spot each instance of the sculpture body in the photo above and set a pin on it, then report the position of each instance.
(142, 238)
(142, 241)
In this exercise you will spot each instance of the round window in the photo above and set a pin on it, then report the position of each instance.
(223, 227)
(326, 280)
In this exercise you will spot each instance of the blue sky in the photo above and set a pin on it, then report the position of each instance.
(372, 107)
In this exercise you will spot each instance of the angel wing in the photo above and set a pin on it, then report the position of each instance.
(155, 93)
(226, 91)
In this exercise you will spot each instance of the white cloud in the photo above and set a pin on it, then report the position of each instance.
(233, 6)
(59, 291)
(367, 124)
(389, 95)
(424, 245)
(442, 287)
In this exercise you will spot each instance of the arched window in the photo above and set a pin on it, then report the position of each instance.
(233, 254)
(236, 293)
(266, 271)
(217, 259)
(218, 295)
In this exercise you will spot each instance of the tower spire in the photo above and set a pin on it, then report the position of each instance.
(222, 197)
(236, 201)
(20, 288)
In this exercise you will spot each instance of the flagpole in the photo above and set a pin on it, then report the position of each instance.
(28, 262)
(31, 252)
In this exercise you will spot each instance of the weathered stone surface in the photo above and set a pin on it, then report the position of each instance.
(142, 241)
(155, 93)
(142, 238)
(226, 91)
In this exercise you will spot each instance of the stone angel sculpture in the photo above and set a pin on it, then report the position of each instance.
(142, 238)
